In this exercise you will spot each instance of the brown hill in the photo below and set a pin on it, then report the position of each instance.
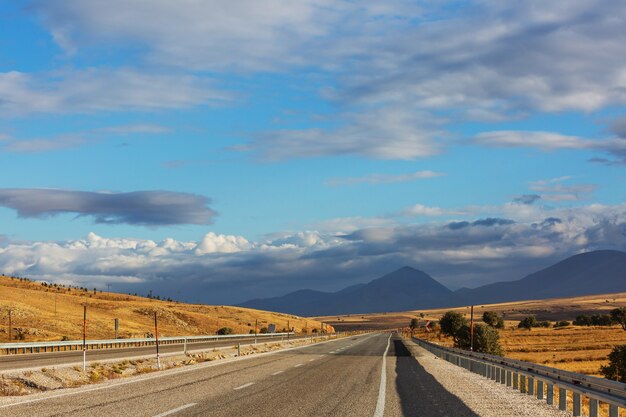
(46, 312)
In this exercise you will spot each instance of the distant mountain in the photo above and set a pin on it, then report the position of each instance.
(597, 272)
(404, 289)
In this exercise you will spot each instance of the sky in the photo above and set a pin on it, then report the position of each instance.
(216, 151)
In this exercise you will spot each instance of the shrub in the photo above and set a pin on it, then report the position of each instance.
(616, 369)
(225, 330)
(493, 319)
(451, 324)
(263, 330)
(544, 323)
(414, 324)
(619, 316)
(563, 323)
(527, 323)
(486, 339)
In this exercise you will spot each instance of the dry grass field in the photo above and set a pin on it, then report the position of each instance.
(573, 348)
(52, 313)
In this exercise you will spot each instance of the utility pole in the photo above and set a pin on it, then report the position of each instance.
(117, 327)
(10, 326)
(156, 337)
(472, 328)
(85, 337)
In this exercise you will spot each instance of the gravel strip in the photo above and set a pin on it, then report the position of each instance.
(485, 397)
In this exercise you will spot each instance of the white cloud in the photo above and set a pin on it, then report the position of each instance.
(243, 35)
(99, 89)
(384, 178)
(419, 210)
(214, 243)
(543, 140)
(382, 133)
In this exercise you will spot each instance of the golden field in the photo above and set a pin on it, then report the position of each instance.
(574, 348)
(52, 313)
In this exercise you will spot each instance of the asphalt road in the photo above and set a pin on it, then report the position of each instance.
(37, 360)
(338, 378)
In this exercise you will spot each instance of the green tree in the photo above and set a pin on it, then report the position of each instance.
(616, 369)
(225, 330)
(486, 339)
(451, 323)
(619, 316)
(493, 319)
(527, 323)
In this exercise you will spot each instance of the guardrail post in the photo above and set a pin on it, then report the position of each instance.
(539, 390)
(522, 384)
(593, 407)
(185, 347)
(613, 410)
(550, 393)
(562, 399)
(515, 381)
(498, 375)
(509, 378)
(577, 404)
(238, 349)
(531, 386)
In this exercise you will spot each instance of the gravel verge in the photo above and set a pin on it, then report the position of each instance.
(483, 396)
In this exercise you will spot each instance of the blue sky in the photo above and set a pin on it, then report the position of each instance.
(252, 148)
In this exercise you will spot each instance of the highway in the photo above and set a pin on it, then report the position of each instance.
(37, 360)
(337, 378)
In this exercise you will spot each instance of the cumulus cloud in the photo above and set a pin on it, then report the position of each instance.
(147, 208)
(229, 269)
(384, 178)
(97, 89)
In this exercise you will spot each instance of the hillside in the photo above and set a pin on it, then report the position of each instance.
(406, 288)
(34, 314)
(597, 272)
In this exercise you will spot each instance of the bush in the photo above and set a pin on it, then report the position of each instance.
(414, 324)
(493, 319)
(562, 323)
(263, 330)
(616, 369)
(527, 323)
(544, 323)
(451, 324)
(595, 320)
(486, 339)
(225, 330)
(619, 316)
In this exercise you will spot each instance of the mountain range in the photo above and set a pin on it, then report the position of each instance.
(407, 288)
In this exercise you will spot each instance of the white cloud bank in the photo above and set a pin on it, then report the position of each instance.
(226, 268)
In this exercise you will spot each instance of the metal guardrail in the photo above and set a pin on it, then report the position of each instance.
(37, 347)
(538, 380)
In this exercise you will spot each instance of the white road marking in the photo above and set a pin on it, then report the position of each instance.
(277, 372)
(298, 365)
(311, 360)
(380, 405)
(244, 386)
(175, 410)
